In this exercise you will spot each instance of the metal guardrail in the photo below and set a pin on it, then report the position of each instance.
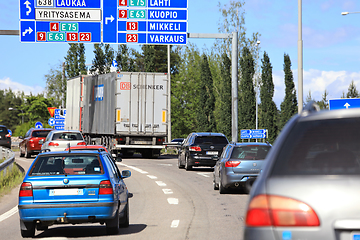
(9, 159)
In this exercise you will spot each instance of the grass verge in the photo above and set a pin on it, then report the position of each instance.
(12, 179)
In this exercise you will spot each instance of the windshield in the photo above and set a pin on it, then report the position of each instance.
(69, 165)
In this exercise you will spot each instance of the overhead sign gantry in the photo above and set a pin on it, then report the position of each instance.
(107, 21)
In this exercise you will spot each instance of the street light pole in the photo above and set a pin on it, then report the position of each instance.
(300, 58)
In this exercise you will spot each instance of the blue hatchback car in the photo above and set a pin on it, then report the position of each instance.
(73, 187)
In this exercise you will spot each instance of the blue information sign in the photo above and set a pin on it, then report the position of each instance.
(106, 21)
(344, 103)
(145, 22)
(75, 21)
(59, 120)
(253, 133)
(51, 122)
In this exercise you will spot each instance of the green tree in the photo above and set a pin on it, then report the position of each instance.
(10, 99)
(233, 19)
(224, 113)
(268, 109)
(56, 85)
(205, 98)
(246, 95)
(103, 58)
(184, 92)
(309, 98)
(75, 60)
(324, 103)
(289, 106)
(352, 91)
(125, 59)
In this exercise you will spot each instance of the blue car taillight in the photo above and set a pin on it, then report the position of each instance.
(105, 188)
(26, 190)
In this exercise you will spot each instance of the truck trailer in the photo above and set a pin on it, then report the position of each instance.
(125, 111)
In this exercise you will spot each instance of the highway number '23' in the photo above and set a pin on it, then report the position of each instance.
(132, 38)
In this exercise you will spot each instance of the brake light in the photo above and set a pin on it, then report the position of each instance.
(53, 144)
(26, 190)
(82, 143)
(105, 188)
(196, 149)
(232, 163)
(270, 210)
(161, 140)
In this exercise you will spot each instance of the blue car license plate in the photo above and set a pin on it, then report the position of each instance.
(66, 192)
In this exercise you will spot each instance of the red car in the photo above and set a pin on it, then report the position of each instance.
(30, 142)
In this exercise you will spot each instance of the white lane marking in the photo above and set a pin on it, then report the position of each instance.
(164, 164)
(8, 213)
(134, 168)
(175, 223)
(204, 174)
(160, 183)
(173, 201)
(168, 191)
(152, 177)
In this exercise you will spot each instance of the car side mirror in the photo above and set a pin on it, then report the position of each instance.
(41, 141)
(126, 173)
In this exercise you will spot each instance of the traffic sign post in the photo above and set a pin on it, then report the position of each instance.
(121, 21)
(253, 133)
(344, 103)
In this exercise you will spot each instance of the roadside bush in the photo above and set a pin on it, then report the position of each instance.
(12, 179)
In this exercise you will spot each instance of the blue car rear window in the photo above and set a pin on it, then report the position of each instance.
(69, 165)
(255, 152)
(326, 147)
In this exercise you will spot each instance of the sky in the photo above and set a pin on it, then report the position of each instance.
(331, 44)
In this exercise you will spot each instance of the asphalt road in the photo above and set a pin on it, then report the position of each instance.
(167, 203)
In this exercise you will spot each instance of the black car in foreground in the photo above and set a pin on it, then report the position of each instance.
(5, 137)
(199, 149)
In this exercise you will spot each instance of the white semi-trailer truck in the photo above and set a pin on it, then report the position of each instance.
(125, 111)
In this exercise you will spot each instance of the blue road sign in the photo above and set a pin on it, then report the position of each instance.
(51, 122)
(59, 120)
(10, 132)
(76, 21)
(253, 133)
(145, 22)
(38, 125)
(344, 103)
(114, 63)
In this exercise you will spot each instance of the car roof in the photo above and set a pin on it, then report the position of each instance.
(42, 129)
(208, 134)
(71, 152)
(252, 144)
(65, 131)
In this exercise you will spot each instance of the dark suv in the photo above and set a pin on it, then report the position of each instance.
(199, 149)
(5, 137)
